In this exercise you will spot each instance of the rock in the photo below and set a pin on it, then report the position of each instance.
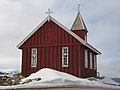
(1, 82)
(4, 77)
(15, 82)
(27, 81)
(9, 81)
(37, 79)
(18, 77)
(92, 79)
(5, 84)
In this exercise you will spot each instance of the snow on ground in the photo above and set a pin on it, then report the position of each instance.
(50, 77)
(107, 80)
(53, 78)
(47, 74)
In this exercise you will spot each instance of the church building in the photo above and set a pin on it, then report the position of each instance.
(52, 45)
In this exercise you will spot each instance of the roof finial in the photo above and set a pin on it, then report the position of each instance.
(49, 12)
(79, 7)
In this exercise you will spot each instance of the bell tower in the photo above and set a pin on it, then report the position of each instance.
(79, 26)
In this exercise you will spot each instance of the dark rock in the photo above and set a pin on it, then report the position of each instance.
(4, 78)
(1, 82)
(27, 81)
(37, 79)
(15, 82)
(9, 81)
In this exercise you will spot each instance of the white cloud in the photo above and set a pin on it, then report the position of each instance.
(109, 68)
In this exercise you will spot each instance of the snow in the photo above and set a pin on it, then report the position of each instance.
(55, 77)
(47, 74)
(52, 78)
(109, 81)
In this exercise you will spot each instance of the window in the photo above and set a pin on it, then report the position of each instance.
(86, 38)
(91, 63)
(64, 56)
(86, 58)
(34, 57)
(95, 62)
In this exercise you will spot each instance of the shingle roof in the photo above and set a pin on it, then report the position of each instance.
(79, 23)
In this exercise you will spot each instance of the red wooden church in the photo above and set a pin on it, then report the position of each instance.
(52, 45)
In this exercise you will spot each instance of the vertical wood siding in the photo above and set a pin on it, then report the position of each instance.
(49, 40)
(87, 72)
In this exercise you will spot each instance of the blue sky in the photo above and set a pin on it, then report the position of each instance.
(102, 18)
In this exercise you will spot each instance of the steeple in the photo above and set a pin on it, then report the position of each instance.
(79, 26)
(79, 22)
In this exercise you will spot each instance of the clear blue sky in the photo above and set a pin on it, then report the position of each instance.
(102, 18)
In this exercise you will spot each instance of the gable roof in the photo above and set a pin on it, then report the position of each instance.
(79, 23)
(62, 26)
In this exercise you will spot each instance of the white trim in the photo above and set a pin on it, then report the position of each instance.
(65, 52)
(29, 35)
(92, 48)
(62, 26)
(34, 57)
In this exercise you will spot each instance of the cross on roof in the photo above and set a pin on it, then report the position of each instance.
(79, 7)
(49, 12)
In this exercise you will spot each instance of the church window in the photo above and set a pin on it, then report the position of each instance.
(86, 58)
(34, 57)
(64, 56)
(95, 62)
(91, 62)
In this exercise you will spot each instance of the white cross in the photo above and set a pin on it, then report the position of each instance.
(79, 7)
(49, 14)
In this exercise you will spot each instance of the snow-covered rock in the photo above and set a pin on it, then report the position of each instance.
(8, 72)
(107, 80)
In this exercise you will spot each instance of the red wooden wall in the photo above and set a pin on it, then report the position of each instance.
(49, 40)
(80, 33)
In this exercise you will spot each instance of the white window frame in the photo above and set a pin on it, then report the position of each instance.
(86, 58)
(65, 56)
(34, 57)
(91, 61)
(95, 62)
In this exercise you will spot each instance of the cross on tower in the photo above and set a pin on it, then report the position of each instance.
(49, 12)
(79, 7)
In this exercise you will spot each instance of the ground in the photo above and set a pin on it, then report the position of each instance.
(50, 79)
